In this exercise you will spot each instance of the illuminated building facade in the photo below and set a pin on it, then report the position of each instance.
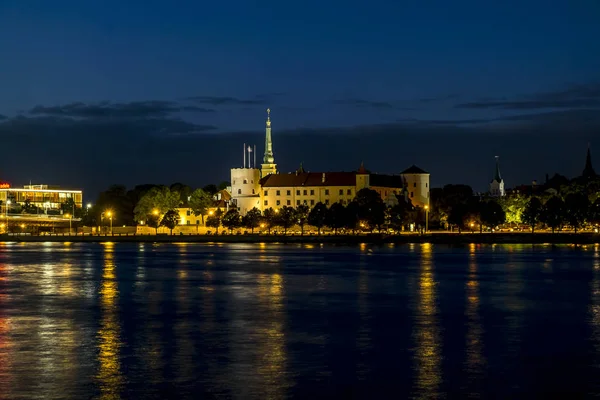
(267, 188)
(37, 199)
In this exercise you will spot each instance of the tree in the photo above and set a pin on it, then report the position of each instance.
(492, 214)
(170, 220)
(119, 201)
(531, 213)
(594, 214)
(318, 216)
(211, 189)
(231, 219)
(67, 207)
(153, 221)
(371, 207)
(184, 191)
(336, 217)
(158, 199)
(513, 207)
(457, 215)
(223, 185)
(286, 218)
(269, 219)
(352, 215)
(199, 203)
(214, 220)
(252, 219)
(399, 214)
(577, 208)
(302, 212)
(553, 213)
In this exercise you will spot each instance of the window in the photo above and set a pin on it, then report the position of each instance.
(312, 202)
(305, 192)
(252, 191)
(305, 202)
(349, 192)
(297, 202)
(266, 192)
(289, 193)
(326, 202)
(188, 213)
(326, 192)
(266, 202)
(252, 181)
(278, 202)
(312, 192)
(277, 193)
(188, 222)
(341, 192)
(412, 194)
(289, 202)
(245, 181)
(234, 181)
(415, 184)
(426, 184)
(197, 222)
(239, 191)
(297, 193)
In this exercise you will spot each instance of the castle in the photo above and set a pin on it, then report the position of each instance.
(268, 188)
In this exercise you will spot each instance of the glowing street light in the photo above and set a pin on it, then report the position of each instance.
(109, 215)
(426, 217)
(70, 221)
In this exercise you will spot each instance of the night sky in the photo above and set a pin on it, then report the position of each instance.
(100, 92)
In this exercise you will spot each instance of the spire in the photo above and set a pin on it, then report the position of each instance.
(588, 171)
(268, 158)
(497, 176)
(301, 169)
(362, 169)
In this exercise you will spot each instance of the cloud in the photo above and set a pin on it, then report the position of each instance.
(576, 96)
(229, 101)
(3, 117)
(107, 110)
(364, 103)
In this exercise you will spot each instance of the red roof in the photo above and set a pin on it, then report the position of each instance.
(331, 179)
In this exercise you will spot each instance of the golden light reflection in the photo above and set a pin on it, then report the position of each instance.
(363, 339)
(109, 343)
(272, 364)
(5, 339)
(183, 325)
(427, 335)
(595, 305)
(475, 361)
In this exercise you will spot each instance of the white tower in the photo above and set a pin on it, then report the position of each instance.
(497, 184)
(245, 183)
(268, 166)
(417, 185)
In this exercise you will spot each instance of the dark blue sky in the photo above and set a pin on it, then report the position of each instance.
(151, 91)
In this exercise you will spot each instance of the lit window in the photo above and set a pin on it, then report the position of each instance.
(188, 213)
(277, 193)
(278, 202)
(266, 202)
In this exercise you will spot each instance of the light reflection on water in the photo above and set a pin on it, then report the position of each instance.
(275, 321)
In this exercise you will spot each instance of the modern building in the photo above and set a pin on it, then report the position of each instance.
(38, 199)
(267, 188)
(497, 184)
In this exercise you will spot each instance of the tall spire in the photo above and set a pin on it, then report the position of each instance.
(588, 171)
(497, 176)
(268, 158)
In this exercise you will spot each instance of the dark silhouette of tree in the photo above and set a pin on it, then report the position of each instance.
(400, 214)
(318, 216)
(553, 213)
(117, 199)
(577, 208)
(286, 218)
(302, 212)
(184, 191)
(269, 219)
(457, 215)
(336, 217)
(531, 213)
(473, 217)
(223, 185)
(252, 219)
(170, 220)
(492, 214)
(211, 189)
(371, 208)
(214, 220)
(153, 221)
(594, 214)
(231, 219)
(352, 216)
(199, 203)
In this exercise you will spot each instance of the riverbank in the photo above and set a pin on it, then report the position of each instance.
(437, 238)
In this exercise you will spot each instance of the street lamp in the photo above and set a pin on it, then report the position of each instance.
(70, 216)
(6, 213)
(426, 217)
(109, 215)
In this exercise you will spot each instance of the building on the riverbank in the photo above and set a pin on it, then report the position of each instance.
(268, 188)
(497, 184)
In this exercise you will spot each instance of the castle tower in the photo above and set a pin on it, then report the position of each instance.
(245, 184)
(416, 182)
(497, 184)
(588, 171)
(268, 167)
(362, 177)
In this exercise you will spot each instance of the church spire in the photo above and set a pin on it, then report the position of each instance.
(588, 171)
(497, 176)
(268, 158)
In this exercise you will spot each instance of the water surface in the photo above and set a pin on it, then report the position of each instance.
(252, 321)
